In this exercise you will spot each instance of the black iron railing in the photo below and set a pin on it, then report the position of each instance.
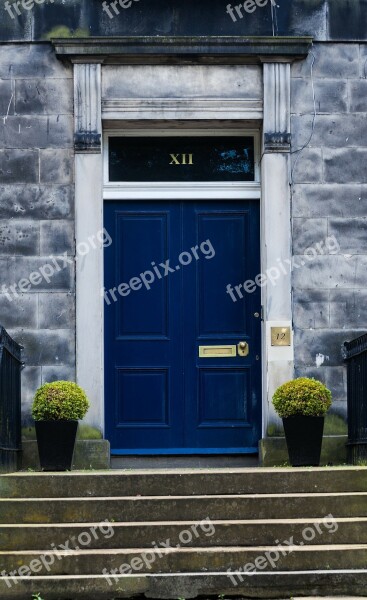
(356, 358)
(10, 403)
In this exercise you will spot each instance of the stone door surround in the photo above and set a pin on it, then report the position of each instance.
(273, 55)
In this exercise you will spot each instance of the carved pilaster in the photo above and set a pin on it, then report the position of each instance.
(277, 137)
(87, 107)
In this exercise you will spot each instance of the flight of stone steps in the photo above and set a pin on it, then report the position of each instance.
(184, 533)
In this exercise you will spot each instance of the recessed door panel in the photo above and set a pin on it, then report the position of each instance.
(227, 233)
(141, 240)
(136, 408)
(224, 397)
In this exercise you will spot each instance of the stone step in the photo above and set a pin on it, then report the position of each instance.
(189, 533)
(188, 461)
(178, 508)
(265, 584)
(184, 560)
(304, 530)
(184, 482)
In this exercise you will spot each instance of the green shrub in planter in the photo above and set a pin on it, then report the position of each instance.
(302, 396)
(57, 407)
(61, 400)
(302, 404)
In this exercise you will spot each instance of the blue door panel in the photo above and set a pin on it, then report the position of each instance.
(222, 397)
(160, 395)
(139, 239)
(141, 329)
(133, 410)
(233, 385)
(227, 232)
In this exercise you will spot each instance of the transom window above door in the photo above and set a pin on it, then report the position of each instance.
(181, 158)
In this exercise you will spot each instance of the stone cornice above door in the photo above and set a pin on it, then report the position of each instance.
(183, 50)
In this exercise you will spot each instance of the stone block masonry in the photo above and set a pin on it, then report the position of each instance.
(329, 195)
(37, 209)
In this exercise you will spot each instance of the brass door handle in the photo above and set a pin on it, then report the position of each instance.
(243, 349)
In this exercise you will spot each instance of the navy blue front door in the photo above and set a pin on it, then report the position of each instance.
(167, 388)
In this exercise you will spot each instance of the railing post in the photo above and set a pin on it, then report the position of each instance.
(10, 403)
(355, 354)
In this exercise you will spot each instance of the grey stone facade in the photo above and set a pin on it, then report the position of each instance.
(329, 198)
(37, 210)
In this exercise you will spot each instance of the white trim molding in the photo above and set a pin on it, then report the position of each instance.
(182, 191)
(88, 222)
(276, 228)
(181, 108)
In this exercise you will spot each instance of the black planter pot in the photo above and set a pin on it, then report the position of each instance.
(304, 439)
(56, 441)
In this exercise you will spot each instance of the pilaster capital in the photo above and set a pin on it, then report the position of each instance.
(87, 108)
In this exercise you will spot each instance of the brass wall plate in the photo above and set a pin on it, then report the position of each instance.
(217, 351)
(280, 336)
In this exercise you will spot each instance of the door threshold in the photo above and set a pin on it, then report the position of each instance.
(182, 451)
(186, 461)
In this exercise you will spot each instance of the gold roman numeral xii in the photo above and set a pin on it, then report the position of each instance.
(182, 159)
